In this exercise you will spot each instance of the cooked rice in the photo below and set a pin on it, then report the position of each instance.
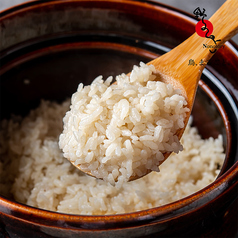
(34, 171)
(122, 130)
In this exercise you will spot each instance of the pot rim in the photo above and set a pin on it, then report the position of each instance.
(229, 178)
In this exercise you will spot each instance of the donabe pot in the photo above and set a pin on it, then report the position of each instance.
(51, 43)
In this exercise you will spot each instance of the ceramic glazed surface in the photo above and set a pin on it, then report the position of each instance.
(56, 36)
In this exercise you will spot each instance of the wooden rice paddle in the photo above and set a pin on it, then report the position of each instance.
(176, 67)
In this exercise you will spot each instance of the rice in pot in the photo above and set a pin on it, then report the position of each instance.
(34, 171)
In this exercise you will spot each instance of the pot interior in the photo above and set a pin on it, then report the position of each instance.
(50, 67)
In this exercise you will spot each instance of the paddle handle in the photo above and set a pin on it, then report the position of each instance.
(225, 21)
(198, 50)
(225, 26)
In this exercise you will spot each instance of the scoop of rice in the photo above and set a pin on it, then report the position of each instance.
(117, 131)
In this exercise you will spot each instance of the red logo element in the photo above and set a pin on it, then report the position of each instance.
(204, 28)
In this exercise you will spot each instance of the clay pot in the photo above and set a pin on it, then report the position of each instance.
(51, 43)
